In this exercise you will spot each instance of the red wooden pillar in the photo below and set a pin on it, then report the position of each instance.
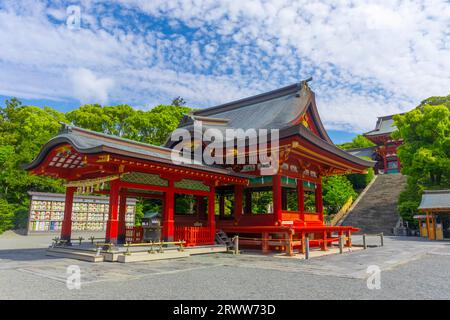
(238, 189)
(276, 194)
(66, 228)
(212, 213)
(284, 198)
(168, 214)
(122, 219)
(222, 205)
(300, 197)
(198, 200)
(112, 225)
(248, 202)
(318, 200)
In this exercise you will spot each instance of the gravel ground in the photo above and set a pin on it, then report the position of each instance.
(410, 269)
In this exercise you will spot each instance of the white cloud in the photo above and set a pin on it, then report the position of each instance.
(88, 88)
(367, 58)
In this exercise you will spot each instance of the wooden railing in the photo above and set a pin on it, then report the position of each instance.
(194, 236)
(304, 216)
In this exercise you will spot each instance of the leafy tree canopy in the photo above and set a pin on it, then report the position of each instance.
(25, 129)
(151, 126)
(358, 142)
(425, 153)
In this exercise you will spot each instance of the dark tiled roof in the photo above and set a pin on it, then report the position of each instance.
(362, 152)
(384, 125)
(435, 199)
(90, 142)
(276, 109)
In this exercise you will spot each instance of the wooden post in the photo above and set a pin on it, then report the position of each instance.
(318, 200)
(341, 243)
(428, 225)
(381, 239)
(307, 247)
(364, 241)
(349, 239)
(212, 213)
(238, 189)
(303, 247)
(284, 197)
(168, 214)
(221, 206)
(236, 244)
(325, 243)
(433, 219)
(66, 228)
(276, 196)
(265, 242)
(248, 202)
(122, 219)
(289, 248)
(112, 225)
(300, 197)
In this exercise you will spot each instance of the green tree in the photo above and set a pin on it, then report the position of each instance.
(358, 142)
(336, 192)
(425, 153)
(153, 126)
(23, 131)
(6, 215)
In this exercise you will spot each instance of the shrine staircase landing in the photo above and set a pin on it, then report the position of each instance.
(377, 210)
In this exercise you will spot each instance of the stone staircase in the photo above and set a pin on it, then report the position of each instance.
(377, 210)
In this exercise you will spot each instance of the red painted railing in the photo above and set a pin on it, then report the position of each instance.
(194, 236)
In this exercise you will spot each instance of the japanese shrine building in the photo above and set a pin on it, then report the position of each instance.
(97, 163)
(385, 151)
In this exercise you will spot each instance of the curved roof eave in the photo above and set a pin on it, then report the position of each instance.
(67, 139)
(324, 145)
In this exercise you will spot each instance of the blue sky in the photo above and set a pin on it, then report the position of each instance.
(367, 58)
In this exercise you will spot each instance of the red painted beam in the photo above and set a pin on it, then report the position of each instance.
(66, 228)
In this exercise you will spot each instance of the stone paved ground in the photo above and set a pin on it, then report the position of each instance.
(410, 269)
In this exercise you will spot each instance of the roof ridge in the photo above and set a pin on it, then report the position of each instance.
(266, 96)
(67, 129)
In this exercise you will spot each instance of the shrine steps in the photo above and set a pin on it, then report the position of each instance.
(376, 211)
